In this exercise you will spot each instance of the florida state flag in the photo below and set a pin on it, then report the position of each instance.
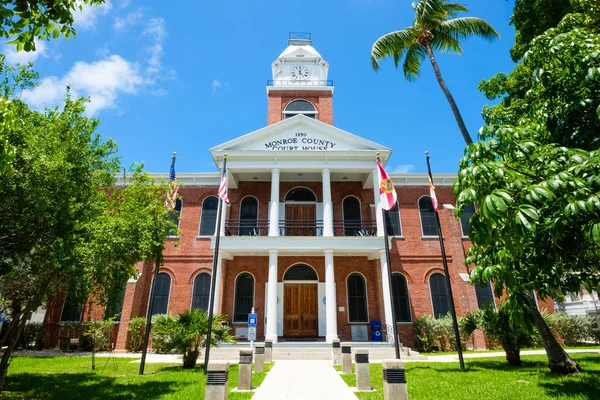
(386, 189)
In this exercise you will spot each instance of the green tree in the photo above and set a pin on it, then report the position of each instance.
(39, 19)
(63, 222)
(435, 29)
(186, 333)
(535, 176)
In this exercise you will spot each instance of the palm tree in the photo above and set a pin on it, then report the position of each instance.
(434, 29)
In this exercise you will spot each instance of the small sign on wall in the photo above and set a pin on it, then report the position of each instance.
(341, 309)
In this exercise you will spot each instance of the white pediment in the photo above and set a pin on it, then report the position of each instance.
(300, 134)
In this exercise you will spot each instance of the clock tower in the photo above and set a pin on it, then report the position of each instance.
(300, 84)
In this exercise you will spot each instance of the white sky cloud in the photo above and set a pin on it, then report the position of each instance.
(129, 20)
(103, 81)
(404, 169)
(88, 16)
(13, 56)
(124, 3)
(217, 84)
(155, 31)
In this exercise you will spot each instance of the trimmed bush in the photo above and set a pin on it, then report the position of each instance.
(137, 330)
(435, 334)
(32, 337)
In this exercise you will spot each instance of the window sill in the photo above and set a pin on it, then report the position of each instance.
(358, 323)
(431, 237)
(204, 237)
(465, 238)
(172, 237)
(239, 323)
(404, 323)
(398, 237)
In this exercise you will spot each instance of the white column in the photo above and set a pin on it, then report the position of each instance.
(385, 282)
(274, 212)
(378, 214)
(272, 298)
(218, 284)
(330, 298)
(327, 206)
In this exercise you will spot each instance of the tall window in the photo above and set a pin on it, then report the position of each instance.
(208, 220)
(201, 292)
(71, 311)
(352, 216)
(484, 294)
(300, 194)
(300, 107)
(114, 305)
(401, 300)
(244, 297)
(392, 221)
(439, 295)
(176, 215)
(465, 219)
(248, 216)
(428, 221)
(161, 293)
(357, 298)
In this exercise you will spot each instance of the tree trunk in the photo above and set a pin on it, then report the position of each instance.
(453, 106)
(190, 358)
(4, 363)
(558, 360)
(513, 353)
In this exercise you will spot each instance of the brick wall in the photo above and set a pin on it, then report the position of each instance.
(279, 99)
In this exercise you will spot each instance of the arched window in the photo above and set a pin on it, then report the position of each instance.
(244, 297)
(401, 300)
(114, 305)
(300, 194)
(439, 295)
(161, 293)
(300, 272)
(392, 221)
(201, 292)
(176, 216)
(465, 219)
(248, 216)
(208, 220)
(357, 298)
(352, 216)
(300, 107)
(71, 311)
(428, 221)
(484, 294)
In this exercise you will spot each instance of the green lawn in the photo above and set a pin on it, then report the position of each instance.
(492, 378)
(72, 378)
(448, 353)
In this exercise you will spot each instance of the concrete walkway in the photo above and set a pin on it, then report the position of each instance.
(303, 380)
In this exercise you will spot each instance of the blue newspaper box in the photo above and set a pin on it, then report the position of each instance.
(376, 334)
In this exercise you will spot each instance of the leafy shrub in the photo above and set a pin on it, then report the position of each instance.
(432, 334)
(99, 333)
(32, 336)
(71, 330)
(161, 337)
(595, 329)
(186, 333)
(575, 330)
(137, 331)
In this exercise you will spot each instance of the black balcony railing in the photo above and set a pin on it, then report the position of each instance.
(299, 82)
(299, 228)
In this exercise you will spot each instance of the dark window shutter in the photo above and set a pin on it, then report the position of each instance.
(201, 292)
(161, 294)
(244, 297)
(352, 216)
(392, 221)
(208, 220)
(428, 219)
(439, 295)
(484, 294)
(357, 298)
(401, 299)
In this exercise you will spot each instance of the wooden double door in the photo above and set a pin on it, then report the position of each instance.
(300, 220)
(300, 315)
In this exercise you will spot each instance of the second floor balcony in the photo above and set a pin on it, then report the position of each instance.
(307, 228)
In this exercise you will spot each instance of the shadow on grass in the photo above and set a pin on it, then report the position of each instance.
(85, 386)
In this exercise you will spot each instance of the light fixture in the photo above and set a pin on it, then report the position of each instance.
(255, 177)
(344, 177)
(300, 174)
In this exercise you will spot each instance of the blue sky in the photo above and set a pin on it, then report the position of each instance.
(187, 75)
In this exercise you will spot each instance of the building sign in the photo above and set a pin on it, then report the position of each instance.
(300, 141)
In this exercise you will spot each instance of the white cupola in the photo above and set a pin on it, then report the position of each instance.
(299, 64)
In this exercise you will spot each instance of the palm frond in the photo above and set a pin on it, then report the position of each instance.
(453, 9)
(429, 13)
(392, 44)
(462, 28)
(412, 62)
(445, 43)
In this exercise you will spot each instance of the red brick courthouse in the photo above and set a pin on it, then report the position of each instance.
(302, 241)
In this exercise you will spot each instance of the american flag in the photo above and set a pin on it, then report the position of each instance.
(171, 199)
(223, 188)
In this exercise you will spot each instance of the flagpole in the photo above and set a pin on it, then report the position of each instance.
(214, 273)
(389, 272)
(448, 284)
(151, 301)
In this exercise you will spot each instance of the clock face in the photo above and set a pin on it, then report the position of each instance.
(300, 72)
